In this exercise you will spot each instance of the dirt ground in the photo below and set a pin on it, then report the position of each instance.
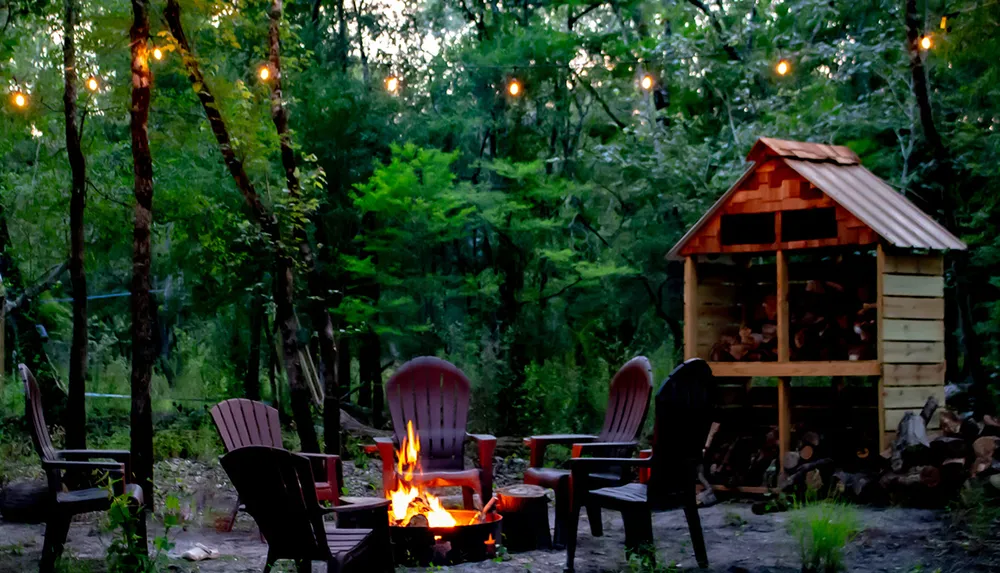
(892, 540)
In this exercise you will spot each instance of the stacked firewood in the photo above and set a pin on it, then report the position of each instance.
(920, 468)
(827, 321)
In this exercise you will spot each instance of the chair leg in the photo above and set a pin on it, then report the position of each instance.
(467, 501)
(694, 526)
(572, 525)
(594, 516)
(639, 533)
(562, 516)
(142, 533)
(232, 516)
(56, 530)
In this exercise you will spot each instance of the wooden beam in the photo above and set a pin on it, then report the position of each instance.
(690, 308)
(879, 350)
(784, 355)
(792, 369)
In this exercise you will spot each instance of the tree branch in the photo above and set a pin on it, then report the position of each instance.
(600, 100)
(37, 288)
(730, 50)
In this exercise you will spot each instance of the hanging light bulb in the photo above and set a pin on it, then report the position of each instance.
(92, 84)
(925, 43)
(647, 82)
(514, 87)
(392, 84)
(783, 67)
(157, 54)
(20, 100)
(264, 73)
(944, 22)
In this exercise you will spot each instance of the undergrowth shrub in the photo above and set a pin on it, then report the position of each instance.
(823, 529)
(977, 513)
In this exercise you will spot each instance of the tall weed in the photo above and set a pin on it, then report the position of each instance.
(823, 530)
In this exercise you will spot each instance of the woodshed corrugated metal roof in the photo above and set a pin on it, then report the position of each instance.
(837, 171)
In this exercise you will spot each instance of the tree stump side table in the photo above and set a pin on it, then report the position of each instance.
(525, 511)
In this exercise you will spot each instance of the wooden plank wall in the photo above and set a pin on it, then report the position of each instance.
(911, 334)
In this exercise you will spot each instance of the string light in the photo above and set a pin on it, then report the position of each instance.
(944, 22)
(264, 73)
(92, 84)
(783, 67)
(157, 54)
(392, 84)
(20, 100)
(925, 43)
(514, 87)
(647, 82)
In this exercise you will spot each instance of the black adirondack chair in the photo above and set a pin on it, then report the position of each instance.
(64, 503)
(279, 492)
(628, 403)
(684, 410)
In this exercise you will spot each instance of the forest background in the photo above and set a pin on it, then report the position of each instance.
(383, 195)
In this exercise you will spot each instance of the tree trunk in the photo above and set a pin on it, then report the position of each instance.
(283, 272)
(143, 350)
(371, 376)
(251, 385)
(943, 176)
(76, 412)
(318, 294)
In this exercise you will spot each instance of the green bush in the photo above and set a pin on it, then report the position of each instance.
(822, 530)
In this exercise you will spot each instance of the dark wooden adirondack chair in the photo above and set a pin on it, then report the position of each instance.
(67, 503)
(628, 402)
(279, 491)
(243, 423)
(684, 409)
(434, 395)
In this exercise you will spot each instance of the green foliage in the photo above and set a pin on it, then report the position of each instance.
(977, 513)
(822, 530)
(127, 552)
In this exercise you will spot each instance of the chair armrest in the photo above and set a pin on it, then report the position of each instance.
(486, 444)
(537, 444)
(589, 465)
(603, 449)
(123, 457)
(387, 451)
(375, 504)
(334, 474)
(84, 466)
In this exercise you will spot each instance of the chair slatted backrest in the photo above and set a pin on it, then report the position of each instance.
(277, 488)
(628, 401)
(243, 423)
(685, 406)
(434, 395)
(36, 418)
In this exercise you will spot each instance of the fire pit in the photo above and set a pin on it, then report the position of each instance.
(422, 531)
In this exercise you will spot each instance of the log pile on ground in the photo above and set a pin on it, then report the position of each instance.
(920, 468)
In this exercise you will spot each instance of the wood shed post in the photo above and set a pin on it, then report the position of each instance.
(690, 308)
(784, 355)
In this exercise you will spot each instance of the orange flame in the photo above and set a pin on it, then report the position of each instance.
(408, 501)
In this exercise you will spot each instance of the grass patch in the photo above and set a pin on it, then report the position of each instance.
(823, 530)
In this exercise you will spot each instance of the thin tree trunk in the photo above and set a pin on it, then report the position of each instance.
(318, 294)
(143, 350)
(341, 36)
(76, 408)
(251, 386)
(284, 277)
(365, 70)
(943, 176)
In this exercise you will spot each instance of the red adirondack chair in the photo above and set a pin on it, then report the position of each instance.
(685, 406)
(628, 403)
(67, 503)
(277, 487)
(243, 423)
(433, 394)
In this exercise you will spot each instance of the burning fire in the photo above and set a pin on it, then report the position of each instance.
(409, 501)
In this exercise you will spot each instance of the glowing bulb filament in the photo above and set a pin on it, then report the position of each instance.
(925, 43)
(264, 73)
(157, 54)
(514, 88)
(783, 67)
(92, 84)
(647, 82)
(20, 100)
(392, 84)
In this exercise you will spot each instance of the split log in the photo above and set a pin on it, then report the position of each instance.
(806, 452)
(948, 447)
(790, 461)
(991, 426)
(800, 479)
(926, 476)
(525, 517)
(984, 449)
